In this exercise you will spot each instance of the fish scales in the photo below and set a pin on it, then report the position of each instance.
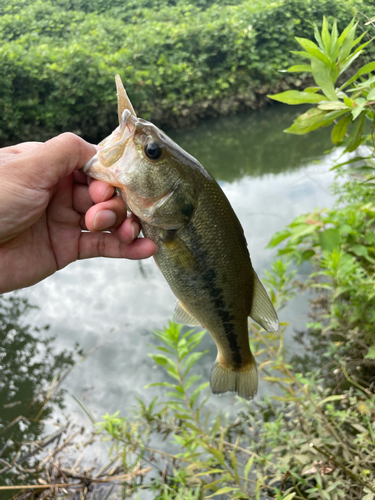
(202, 251)
(208, 282)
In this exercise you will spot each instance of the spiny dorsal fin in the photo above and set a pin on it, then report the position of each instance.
(183, 317)
(262, 310)
(123, 101)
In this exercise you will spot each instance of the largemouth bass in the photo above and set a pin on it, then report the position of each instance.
(202, 251)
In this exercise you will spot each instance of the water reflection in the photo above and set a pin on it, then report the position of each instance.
(28, 364)
(254, 144)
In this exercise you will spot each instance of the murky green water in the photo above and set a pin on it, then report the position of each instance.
(269, 177)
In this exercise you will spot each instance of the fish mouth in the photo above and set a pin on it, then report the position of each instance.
(108, 164)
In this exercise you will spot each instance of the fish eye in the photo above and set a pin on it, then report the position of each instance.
(153, 150)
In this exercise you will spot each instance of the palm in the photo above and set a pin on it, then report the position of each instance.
(46, 246)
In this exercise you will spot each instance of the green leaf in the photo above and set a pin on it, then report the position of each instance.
(362, 251)
(323, 40)
(329, 239)
(322, 77)
(191, 360)
(296, 97)
(190, 381)
(290, 496)
(313, 119)
(302, 230)
(299, 68)
(308, 121)
(371, 95)
(367, 68)
(330, 399)
(197, 391)
(161, 384)
(278, 238)
(371, 353)
(314, 51)
(361, 103)
(226, 489)
(332, 105)
(355, 136)
(248, 466)
(346, 41)
(339, 130)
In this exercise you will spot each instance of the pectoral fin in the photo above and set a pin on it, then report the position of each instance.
(262, 310)
(182, 316)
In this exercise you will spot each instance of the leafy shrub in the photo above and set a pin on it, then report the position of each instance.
(340, 242)
(180, 61)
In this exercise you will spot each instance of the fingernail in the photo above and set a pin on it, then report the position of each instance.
(135, 230)
(104, 220)
(108, 193)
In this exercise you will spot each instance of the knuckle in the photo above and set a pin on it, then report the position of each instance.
(101, 245)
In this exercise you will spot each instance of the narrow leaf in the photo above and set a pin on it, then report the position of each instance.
(339, 130)
(278, 238)
(322, 77)
(248, 466)
(299, 68)
(356, 134)
(296, 97)
(226, 489)
(314, 50)
(332, 105)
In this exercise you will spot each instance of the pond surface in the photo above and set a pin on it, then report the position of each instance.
(269, 177)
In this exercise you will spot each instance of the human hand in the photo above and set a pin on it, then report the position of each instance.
(45, 206)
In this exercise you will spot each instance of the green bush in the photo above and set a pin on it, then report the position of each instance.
(179, 61)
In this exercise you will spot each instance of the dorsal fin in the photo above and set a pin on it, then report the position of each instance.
(262, 310)
(123, 101)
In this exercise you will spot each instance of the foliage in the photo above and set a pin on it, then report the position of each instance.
(304, 443)
(180, 60)
(343, 105)
(340, 242)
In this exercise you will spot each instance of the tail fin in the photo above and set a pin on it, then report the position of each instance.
(243, 381)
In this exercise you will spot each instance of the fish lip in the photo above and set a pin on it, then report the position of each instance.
(112, 149)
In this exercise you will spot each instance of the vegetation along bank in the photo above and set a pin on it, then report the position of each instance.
(180, 60)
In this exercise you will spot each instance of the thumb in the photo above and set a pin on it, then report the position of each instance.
(57, 158)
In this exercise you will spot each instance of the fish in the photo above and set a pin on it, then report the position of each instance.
(201, 247)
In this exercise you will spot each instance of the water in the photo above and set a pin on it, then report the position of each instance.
(269, 177)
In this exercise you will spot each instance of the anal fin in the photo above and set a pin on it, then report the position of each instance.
(262, 310)
(182, 316)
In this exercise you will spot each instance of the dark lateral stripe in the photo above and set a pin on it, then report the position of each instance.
(209, 280)
(231, 336)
